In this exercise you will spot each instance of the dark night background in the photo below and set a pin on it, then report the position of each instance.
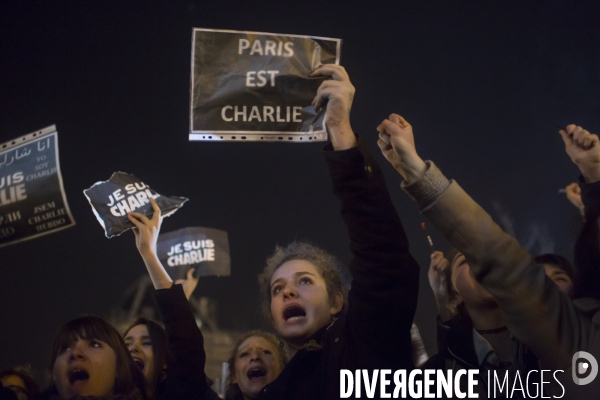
(484, 84)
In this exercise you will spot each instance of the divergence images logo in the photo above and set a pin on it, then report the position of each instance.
(582, 368)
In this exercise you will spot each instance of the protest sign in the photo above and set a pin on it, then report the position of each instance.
(256, 85)
(32, 198)
(123, 193)
(205, 249)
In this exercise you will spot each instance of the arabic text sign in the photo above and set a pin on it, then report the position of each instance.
(256, 85)
(32, 197)
(123, 193)
(205, 249)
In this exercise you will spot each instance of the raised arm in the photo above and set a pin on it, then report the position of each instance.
(185, 374)
(584, 150)
(383, 297)
(573, 192)
(337, 95)
(437, 282)
(146, 234)
(537, 313)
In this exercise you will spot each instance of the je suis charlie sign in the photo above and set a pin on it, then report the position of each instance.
(256, 85)
(205, 249)
(123, 193)
(32, 197)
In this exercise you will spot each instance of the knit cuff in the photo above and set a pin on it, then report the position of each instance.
(426, 190)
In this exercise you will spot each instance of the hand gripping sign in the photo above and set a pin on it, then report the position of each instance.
(123, 193)
(32, 198)
(256, 85)
(205, 249)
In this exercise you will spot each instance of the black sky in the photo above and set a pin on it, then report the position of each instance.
(484, 84)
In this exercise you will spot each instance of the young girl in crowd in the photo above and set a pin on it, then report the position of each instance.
(147, 344)
(324, 327)
(255, 361)
(90, 359)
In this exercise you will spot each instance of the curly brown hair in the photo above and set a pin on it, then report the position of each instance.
(330, 268)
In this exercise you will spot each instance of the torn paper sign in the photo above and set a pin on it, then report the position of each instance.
(111, 200)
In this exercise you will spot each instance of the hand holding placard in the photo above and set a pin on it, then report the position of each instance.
(146, 234)
(189, 283)
(123, 193)
(338, 92)
(146, 230)
(152, 248)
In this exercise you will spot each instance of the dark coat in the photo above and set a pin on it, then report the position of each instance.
(185, 378)
(587, 248)
(456, 351)
(374, 331)
(133, 395)
(7, 394)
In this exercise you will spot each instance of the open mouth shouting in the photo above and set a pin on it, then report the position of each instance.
(256, 373)
(78, 377)
(138, 363)
(294, 313)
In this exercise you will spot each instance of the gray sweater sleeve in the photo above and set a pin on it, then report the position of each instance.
(537, 313)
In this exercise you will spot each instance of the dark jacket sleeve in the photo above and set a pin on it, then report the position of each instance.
(383, 296)
(442, 333)
(7, 394)
(590, 196)
(185, 373)
(587, 247)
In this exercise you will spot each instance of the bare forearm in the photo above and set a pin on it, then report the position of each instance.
(591, 174)
(158, 275)
(342, 137)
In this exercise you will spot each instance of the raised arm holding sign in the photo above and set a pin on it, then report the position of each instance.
(326, 328)
(337, 94)
(146, 234)
(123, 193)
(185, 376)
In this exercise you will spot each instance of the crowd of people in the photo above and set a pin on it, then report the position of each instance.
(499, 308)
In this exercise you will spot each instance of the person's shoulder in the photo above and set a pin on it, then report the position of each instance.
(335, 332)
(7, 394)
(589, 306)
